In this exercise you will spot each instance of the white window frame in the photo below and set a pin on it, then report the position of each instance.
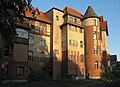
(20, 70)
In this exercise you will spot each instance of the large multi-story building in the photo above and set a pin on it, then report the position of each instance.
(62, 43)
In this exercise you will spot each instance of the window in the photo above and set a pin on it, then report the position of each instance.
(37, 29)
(81, 44)
(35, 14)
(20, 70)
(6, 51)
(82, 71)
(42, 57)
(73, 43)
(99, 50)
(57, 17)
(40, 27)
(95, 49)
(94, 22)
(73, 58)
(80, 30)
(81, 58)
(31, 39)
(32, 26)
(44, 29)
(42, 42)
(96, 65)
(22, 33)
(71, 19)
(79, 21)
(5, 69)
(29, 70)
(76, 43)
(30, 56)
(37, 26)
(70, 27)
(69, 42)
(94, 35)
(75, 20)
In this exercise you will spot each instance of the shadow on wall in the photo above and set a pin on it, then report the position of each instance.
(105, 63)
(67, 69)
(41, 68)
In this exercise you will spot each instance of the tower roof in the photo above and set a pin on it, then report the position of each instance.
(90, 13)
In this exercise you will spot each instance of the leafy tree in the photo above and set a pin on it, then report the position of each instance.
(114, 75)
(9, 11)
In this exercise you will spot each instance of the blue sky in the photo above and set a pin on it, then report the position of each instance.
(110, 9)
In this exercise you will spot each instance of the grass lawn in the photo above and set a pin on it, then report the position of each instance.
(58, 83)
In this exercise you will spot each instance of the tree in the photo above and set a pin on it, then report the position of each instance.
(114, 75)
(9, 11)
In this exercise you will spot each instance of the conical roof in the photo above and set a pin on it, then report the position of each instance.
(90, 13)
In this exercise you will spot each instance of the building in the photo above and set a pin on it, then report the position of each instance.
(96, 52)
(31, 49)
(61, 43)
(112, 62)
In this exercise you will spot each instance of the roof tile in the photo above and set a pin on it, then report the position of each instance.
(72, 12)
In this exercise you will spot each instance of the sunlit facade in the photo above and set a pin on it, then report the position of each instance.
(58, 43)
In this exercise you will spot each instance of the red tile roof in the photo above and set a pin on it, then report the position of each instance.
(101, 18)
(41, 16)
(104, 26)
(73, 12)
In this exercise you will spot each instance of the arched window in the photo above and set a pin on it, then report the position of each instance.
(6, 69)
(94, 22)
(96, 64)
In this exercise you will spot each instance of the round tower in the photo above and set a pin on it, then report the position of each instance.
(92, 44)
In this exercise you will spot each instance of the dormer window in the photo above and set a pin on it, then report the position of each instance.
(35, 14)
(71, 19)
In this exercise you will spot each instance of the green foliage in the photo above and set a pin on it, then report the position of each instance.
(114, 76)
(9, 9)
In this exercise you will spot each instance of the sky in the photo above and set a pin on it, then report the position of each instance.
(110, 9)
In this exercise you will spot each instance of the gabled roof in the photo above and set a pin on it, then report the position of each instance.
(101, 18)
(41, 16)
(104, 26)
(72, 12)
(90, 13)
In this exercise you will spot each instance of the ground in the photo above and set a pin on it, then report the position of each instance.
(58, 83)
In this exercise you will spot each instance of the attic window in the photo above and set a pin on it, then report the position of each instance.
(35, 14)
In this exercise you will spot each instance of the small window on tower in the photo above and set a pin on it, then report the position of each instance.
(94, 35)
(57, 17)
(94, 22)
(80, 30)
(95, 50)
(81, 44)
(96, 64)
